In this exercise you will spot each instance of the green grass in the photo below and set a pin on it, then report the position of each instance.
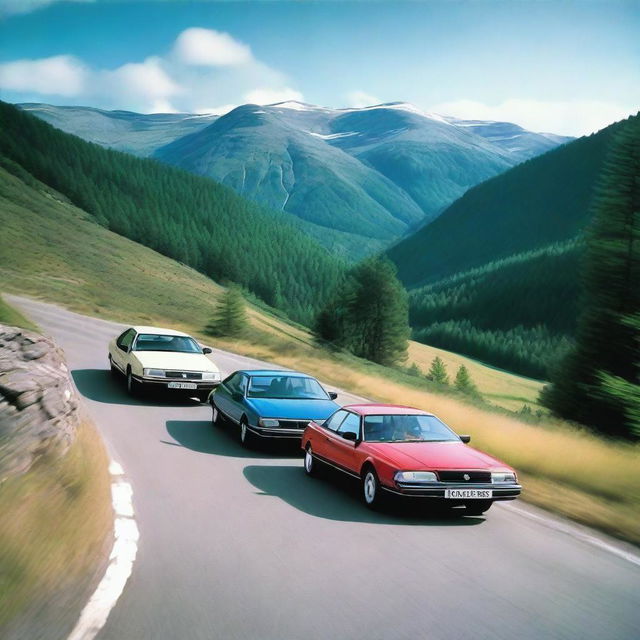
(56, 524)
(12, 317)
(54, 252)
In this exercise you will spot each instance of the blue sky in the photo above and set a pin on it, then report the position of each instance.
(566, 67)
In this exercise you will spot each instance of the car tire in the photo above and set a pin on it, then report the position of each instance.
(310, 463)
(370, 489)
(477, 508)
(247, 439)
(133, 386)
(216, 416)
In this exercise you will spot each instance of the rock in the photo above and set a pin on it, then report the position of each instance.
(38, 407)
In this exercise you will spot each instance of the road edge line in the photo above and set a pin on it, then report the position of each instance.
(579, 532)
(123, 554)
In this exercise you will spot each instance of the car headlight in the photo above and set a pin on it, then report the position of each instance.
(416, 477)
(503, 477)
(268, 422)
(154, 373)
(211, 376)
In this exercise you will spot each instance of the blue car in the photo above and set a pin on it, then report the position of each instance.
(271, 404)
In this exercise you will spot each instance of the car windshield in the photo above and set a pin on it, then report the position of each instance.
(158, 342)
(286, 387)
(407, 428)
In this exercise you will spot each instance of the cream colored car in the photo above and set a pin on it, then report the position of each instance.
(163, 359)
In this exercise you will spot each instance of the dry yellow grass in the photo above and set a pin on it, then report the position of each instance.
(499, 387)
(55, 524)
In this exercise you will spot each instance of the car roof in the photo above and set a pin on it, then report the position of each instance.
(374, 409)
(160, 331)
(275, 372)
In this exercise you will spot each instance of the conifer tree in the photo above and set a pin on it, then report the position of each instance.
(230, 318)
(597, 382)
(438, 371)
(464, 383)
(368, 314)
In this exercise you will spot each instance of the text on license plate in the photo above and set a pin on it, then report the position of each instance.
(182, 385)
(467, 494)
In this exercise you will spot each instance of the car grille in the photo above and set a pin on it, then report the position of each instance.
(458, 476)
(184, 375)
(294, 424)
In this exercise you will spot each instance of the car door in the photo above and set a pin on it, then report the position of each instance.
(237, 397)
(323, 443)
(344, 449)
(120, 355)
(222, 396)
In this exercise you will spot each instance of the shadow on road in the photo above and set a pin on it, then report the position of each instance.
(202, 436)
(100, 385)
(336, 497)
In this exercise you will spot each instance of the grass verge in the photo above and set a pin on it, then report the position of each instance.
(56, 521)
(12, 317)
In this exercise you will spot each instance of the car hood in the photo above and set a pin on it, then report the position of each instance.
(416, 456)
(175, 361)
(293, 409)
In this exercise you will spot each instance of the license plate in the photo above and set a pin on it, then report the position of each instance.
(182, 385)
(468, 494)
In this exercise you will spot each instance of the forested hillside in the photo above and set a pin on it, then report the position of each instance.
(497, 275)
(191, 219)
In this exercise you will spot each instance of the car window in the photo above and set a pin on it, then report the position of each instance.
(233, 382)
(160, 342)
(284, 386)
(124, 341)
(335, 420)
(351, 424)
(406, 428)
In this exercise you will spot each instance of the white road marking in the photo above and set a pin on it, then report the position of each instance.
(125, 547)
(578, 532)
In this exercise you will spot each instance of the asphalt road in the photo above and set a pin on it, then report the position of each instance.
(238, 544)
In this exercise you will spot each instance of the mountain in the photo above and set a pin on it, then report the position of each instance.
(354, 179)
(496, 276)
(137, 133)
(189, 218)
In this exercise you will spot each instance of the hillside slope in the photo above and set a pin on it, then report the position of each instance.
(353, 179)
(192, 219)
(497, 275)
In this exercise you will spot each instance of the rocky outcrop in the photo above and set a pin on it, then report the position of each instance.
(38, 407)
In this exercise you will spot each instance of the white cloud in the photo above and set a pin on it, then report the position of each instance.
(184, 79)
(206, 47)
(359, 99)
(573, 118)
(271, 96)
(58, 75)
(145, 84)
(11, 7)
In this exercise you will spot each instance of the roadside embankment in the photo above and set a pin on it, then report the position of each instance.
(55, 503)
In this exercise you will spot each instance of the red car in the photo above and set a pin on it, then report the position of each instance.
(404, 451)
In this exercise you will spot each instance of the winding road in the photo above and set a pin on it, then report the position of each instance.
(237, 544)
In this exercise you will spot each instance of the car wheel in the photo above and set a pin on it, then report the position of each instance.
(310, 463)
(133, 387)
(371, 491)
(247, 438)
(216, 416)
(477, 508)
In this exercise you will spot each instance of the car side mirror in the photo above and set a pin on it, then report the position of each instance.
(465, 439)
(349, 435)
(207, 350)
(333, 395)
